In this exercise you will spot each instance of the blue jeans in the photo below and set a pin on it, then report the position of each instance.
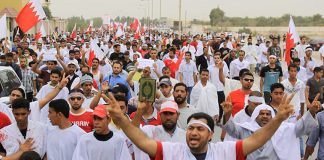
(189, 91)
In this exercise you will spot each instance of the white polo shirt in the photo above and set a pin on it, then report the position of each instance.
(188, 69)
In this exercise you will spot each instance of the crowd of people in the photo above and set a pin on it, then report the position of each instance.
(79, 99)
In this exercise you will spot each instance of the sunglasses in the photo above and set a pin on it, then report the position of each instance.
(248, 80)
(73, 98)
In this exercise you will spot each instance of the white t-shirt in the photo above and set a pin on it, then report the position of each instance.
(185, 113)
(46, 89)
(188, 70)
(61, 143)
(158, 133)
(214, 76)
(12, 136)
(215, 151)
(87, 101)
(89, 148)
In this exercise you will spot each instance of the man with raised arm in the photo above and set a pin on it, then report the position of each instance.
(199, 133)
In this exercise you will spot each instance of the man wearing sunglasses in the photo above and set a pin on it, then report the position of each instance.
(79, 115)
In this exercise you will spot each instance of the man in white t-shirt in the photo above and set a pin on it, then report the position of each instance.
(199, 133)
(102, 143)
(301, 48)
(237, 65)
(64, 136)
(167, 132)
(217, 74)
(23, 129)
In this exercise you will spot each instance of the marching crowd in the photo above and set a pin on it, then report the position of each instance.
(80, 98)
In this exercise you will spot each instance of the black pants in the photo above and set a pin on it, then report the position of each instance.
(221, 99)
(29, 96)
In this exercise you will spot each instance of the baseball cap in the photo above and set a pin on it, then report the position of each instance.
(100, 111)
(165, 81)
(169, 106)
(86, 79)
(119, 87)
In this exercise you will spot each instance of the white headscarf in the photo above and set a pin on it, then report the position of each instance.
(284, 141)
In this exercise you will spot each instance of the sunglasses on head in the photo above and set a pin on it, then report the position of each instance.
(73, 98)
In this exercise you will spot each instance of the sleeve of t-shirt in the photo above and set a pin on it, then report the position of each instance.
(34, 111)
(159, 151)
(308, 83)
(239, 150)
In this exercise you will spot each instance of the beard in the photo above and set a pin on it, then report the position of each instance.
(169, 126)
(179, 100)
(76, 107)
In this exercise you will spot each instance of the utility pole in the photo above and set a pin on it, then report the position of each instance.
(179, 16)
(160, 9)
(152, 13)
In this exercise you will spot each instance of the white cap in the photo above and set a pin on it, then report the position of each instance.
(169, 106)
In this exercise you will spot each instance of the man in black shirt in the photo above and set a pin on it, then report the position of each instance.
(117, 55)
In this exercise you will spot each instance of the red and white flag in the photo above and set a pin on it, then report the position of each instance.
(74, 32)
(30, 15)
(133, 26)
(291, 40)
(89, 29)
(41, 33)
(3, 26)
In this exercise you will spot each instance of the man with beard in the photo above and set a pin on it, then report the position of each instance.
(198, 135)
(70, 70)
(94, 68)
(167, 132)
(79, 115)
(285, 142)
(180, 94)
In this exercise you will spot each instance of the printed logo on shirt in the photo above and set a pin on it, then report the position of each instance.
(81, 123)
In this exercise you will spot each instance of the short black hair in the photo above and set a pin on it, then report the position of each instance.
(10, 54)
(20, 90)
(296, 60)
(180, 84)
(203, 70)
(60, 105)
(201, 115)
(292, 66)
(30, 155)
(121, 98)
(20, 103)
(318, 69)
(243, 71)
(276, 85)
(56, 71)
(246, 74)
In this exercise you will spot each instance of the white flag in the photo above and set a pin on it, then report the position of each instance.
(3, 27)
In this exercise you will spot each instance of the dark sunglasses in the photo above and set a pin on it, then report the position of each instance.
(73, 98)
(248, 80)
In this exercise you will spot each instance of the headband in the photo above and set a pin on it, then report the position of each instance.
(199, 122)
(76, 94)
(256, 99)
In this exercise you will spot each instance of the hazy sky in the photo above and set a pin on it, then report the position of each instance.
(198, 9)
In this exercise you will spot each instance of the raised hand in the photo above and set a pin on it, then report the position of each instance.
(27, 146)
(227, 107)
(315, 106)
(104, 86)
(113, 108)
(64, 81)
(285, 109)
(220, 65)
